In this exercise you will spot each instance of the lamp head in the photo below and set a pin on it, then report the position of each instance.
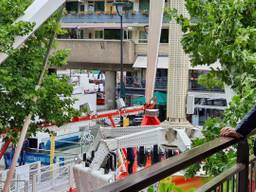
(120, 6)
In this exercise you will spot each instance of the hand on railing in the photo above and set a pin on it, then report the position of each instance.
(230, 132)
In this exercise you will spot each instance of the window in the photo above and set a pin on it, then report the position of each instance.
(112, 34)
(90, 6)
(82, 8)
(144, 5)
(80, 34)
(129, 33)
(143, 37)
(98, 34)
(164, 36)
(130, 7)
(99, 6)
(72, 7)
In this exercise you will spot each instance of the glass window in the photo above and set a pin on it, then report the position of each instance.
(164, 36)
(143, 37)
(112, 34)
(129, 34)
(80, 34)
(90, 6)
(130, 7)
(144, 5)
(195, 86)
(99, 6)
(72, 7)
(98, 34)
(82, 8)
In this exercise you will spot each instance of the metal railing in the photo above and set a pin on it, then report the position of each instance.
(58, 177)
(241, 177)
(16, 186)
(161, 82)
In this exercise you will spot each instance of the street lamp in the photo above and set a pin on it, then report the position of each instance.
(120, 6)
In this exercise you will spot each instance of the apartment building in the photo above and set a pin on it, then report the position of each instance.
(93, 33)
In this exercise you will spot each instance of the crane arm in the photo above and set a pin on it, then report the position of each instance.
(38, 12)
(155, 27)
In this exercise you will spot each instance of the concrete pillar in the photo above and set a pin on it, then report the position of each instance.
(110, 89)
(178, 76)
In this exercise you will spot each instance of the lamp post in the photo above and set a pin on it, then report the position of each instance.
(119, 8)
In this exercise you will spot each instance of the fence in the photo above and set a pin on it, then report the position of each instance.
(36, 178)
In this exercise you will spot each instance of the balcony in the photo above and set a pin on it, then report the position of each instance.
(104, 18)
(161, 84)
(101, 17)
(86, 51)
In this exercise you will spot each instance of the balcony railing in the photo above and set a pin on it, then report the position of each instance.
(102, 17)
(105, 18)
(195, 86)
(240, 177)
(97, 51)
(132, 82)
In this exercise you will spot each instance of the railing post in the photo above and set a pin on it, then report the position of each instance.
(34, 184)
(26, 186)
(243, 157)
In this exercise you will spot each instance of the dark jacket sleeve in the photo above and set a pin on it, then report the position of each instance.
(248, 123)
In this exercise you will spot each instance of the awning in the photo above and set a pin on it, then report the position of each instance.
(161, 99)
(141, 62)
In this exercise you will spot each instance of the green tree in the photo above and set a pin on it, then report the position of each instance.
(225, 32)
(221, 31)
(20, 73)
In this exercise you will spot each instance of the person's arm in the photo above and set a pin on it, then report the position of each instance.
(245, 126)
(248, 123)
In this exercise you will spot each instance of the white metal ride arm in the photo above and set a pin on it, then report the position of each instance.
(110, 132)
(38, 12)
(147, 137)
(142, 138)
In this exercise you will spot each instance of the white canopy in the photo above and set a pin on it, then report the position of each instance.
(141, 62)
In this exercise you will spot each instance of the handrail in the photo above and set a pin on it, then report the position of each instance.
(222, 177)
(153, 174)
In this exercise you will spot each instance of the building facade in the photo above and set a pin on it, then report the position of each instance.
(93, 33)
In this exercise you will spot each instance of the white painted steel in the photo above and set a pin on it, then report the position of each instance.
(155, 26)
(143, 138)
(38, 12)
(88, 180)
(163, 63)
(147, 137)
(122, 131)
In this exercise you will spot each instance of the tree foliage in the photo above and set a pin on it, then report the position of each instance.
(224, 32)
(20, 73)
(221, 31)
